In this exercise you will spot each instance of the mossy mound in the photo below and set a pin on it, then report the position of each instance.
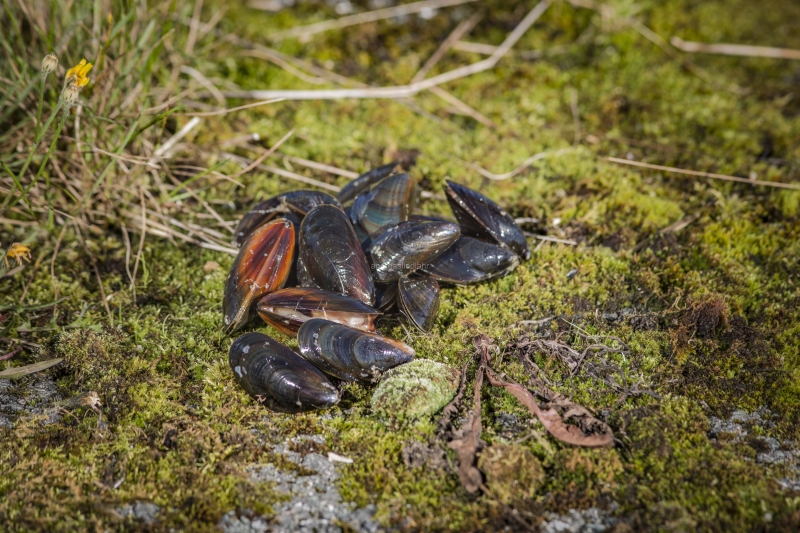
(415, 390)
(512, 472)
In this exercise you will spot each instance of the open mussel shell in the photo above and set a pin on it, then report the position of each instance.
(262, 266)
(332, 255)
(469, 260)
(287, 309)
(388, 204)
(350, 354)
(365, 181)
(297, 202)
(277, 377)
(409, 246)
(419, 301)
(480, 217)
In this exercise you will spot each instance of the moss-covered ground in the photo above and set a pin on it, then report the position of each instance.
(710, 314)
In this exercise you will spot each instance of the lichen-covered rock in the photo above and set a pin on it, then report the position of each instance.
(512, 472)
(415, 390)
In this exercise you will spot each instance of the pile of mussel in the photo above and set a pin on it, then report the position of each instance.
(345, 261)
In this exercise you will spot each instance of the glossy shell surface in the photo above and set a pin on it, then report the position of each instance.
(277, 377)
(350, 354)
(297, 202)
(409, 246)
(287, 309)
(332, 254)
(419, 301)
(470, 261)
(262, 265)
(388, 204)
(481, 217)
(365, 181)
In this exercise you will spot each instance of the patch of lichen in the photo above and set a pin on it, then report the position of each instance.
(716, 320)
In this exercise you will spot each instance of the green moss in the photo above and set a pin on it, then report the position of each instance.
(180, 432)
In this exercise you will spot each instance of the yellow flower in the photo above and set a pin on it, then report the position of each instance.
(77, 75)
(19, 252)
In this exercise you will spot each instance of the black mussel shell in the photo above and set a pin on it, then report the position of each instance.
(277, 377)
(301, 202)
(388, 204)
(470, 261)
(480, 217)
(385, 296)
(409, 246)
(365, 181)
(262, 266)
(291, 281)
(332, 254)
(303, 278)
(287, 309)
(296, 202)
(419, 300)
(347, 353)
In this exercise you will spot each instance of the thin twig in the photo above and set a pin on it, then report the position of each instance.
(711, 175)
(305, 32)
(734, 49)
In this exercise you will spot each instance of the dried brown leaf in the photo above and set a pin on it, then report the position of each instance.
(589, 431)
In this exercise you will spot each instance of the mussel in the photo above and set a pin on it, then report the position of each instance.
(277, 377)
(365, 181)
(297, 202)
(419, 300)
(409, 246)
(385, 296)
(332, 255)
(469, 260)
(347, 353)
(389, 203)
(480, 217)
(287, 309)
(262, 266)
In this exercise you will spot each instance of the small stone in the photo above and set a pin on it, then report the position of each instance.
(210, 267)
(417, 389)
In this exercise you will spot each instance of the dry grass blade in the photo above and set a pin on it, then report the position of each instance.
(741, 50)
(305, 32)
(22, 371)
(322, 166)
(263, 156)
(522, 166)
(460, 31)
(701, 174)
(285, 173)
(404, 91)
